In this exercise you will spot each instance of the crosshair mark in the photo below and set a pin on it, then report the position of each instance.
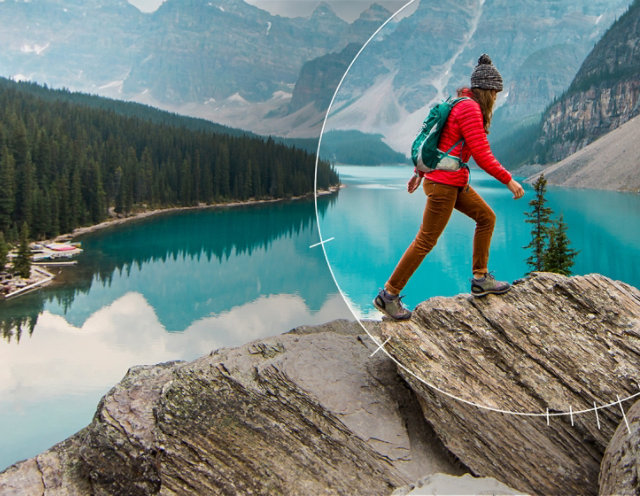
(571, 414)
(322, 242)
(380, 347)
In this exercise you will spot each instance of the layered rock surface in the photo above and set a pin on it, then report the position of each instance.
(552, 344)
(620, 469)
(509, 384)
(307, 412)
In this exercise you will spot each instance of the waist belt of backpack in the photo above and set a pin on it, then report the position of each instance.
(446, 154)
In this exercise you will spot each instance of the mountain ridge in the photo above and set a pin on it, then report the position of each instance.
(406, 79)
(604, 94)
(610, 162)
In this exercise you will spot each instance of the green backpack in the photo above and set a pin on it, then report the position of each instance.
(424, 150)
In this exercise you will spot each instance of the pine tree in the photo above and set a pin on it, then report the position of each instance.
(559, 256)
(7, 188)
(4, 250)
(24, 173)
(540, 217)
(22, 262)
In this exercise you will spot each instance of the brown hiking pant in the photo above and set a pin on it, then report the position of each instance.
(441, 200)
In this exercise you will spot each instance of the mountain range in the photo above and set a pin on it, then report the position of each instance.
(224, 60)
(537, 47)
(236, 64)
(590, 131)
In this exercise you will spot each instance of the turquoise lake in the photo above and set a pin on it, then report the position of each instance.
(374, 220)
(179, 285)
(171, 287)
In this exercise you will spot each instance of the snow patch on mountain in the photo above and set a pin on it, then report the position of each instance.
(237, 98)
(113, 87)
(19, 78)
(35, 48)
(378, 111)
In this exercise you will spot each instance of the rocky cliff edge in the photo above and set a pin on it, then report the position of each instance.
(527, 388)
(306, 412)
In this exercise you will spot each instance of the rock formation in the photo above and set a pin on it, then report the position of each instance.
(610, 162)
(509, 384)
(604, 94)
(620, 469)
(553, 344)
(319, 79)
(307, 412)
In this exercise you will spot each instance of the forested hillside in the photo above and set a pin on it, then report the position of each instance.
(121, 107)
(64, 164)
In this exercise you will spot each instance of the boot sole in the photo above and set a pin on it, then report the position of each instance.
(489, 291)
(382, 309)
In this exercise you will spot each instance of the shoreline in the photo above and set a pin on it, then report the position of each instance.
(39, 278)
(80, 231)
(45, 278)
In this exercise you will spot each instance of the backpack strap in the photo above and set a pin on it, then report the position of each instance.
(447, 153)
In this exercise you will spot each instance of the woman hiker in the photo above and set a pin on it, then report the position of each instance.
(469, 120)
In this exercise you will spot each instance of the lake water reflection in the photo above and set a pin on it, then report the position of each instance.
(172, 287)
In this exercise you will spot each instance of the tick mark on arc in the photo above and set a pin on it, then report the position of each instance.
(595, 409)
(547, 416)
(571, 415)
(322, 242)
(623, 414)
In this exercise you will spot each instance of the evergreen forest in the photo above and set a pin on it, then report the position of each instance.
(66, 163)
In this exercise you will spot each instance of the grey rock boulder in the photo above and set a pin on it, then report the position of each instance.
(306, 412)
(620, 469)
(553, 344)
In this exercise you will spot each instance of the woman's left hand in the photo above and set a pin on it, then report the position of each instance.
(413, 183)
(517, 190)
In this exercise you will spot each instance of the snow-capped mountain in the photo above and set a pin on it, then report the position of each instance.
(537, 46)
(224, 60)
(236, 64)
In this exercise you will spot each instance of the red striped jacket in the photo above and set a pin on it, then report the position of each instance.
(465, 122)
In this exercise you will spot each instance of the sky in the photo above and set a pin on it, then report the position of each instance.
(349, 10)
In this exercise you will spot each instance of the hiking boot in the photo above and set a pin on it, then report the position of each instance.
(488, 285)
(391, 305)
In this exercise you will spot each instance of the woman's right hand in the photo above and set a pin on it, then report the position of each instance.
(516, 189)
(413, 183)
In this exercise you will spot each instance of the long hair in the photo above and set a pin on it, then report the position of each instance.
(485, 100)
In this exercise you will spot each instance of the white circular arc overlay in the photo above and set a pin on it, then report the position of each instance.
(546, 414)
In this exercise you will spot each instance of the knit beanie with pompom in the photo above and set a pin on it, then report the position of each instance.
(485, 75)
